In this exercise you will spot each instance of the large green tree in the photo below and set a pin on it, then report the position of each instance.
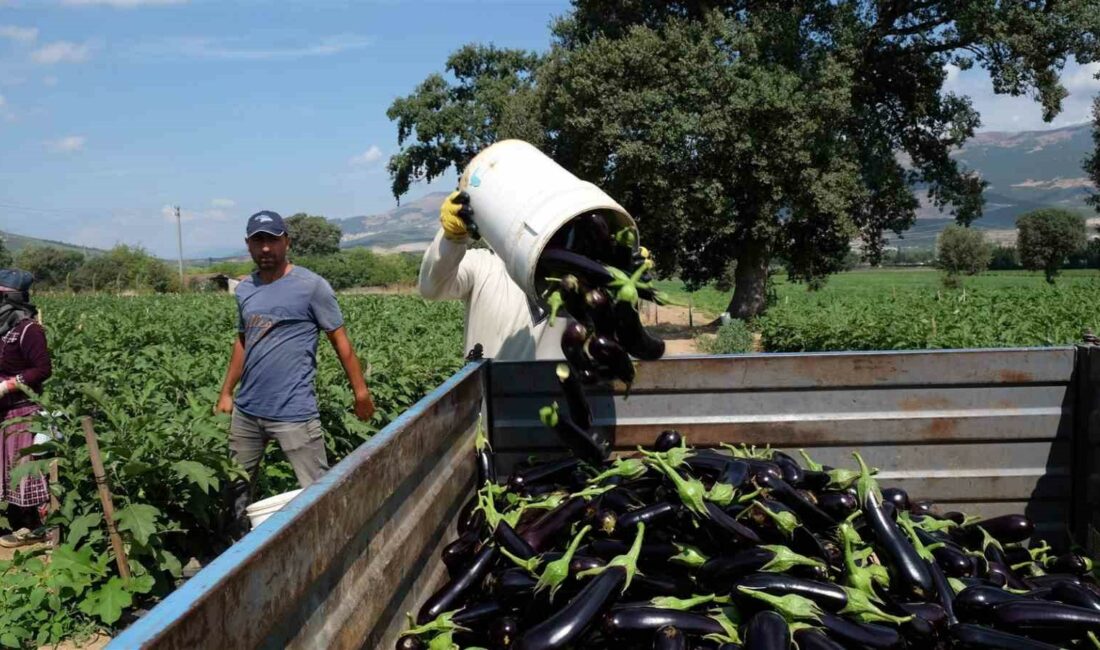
(1046, 237)
(311, 235)
(962, 251)
(50, 265)
(742, 131)
(5, 254)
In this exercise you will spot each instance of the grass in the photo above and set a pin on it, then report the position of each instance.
(877, 281)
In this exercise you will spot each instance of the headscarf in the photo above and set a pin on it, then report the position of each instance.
(15, 306)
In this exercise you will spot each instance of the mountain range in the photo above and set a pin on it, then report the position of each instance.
(1025, 170)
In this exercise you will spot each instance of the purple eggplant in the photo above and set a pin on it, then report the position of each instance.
(811, 638)
(837, 505)
(606, 352)
(975, 604)
(452, 595)
(477, 613)
(1046, 620)
(632, 620)
(649, 515)
(943, 591)
(828, 596)
(509, 583)
(584, 443)
(977, 637)
(542, 473)
(896, 496)
(410, 643)
(542, 532)
(669, 638)
(558, 261)
(503, 632)
(1006, 529)
(808, 513)
(633, 336)
(572, 348)
(1074, 594)
(721, 519)
(568, 624)
(1074, 563)
(601, 312)
(458, 553)
(924, 508)
(573, 388)
(792, 471)
(865, 635)
(507, 538)
(668, 439)
(767, 630)
(725, 569)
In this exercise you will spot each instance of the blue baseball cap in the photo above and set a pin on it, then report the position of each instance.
(266, 221)
(16, 279)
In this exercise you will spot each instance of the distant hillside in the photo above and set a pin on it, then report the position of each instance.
(15, 243)
(1025, 171)
(408, 227)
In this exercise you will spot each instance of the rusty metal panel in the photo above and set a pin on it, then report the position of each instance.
(816, 371)
(987, 428)
(340, 565)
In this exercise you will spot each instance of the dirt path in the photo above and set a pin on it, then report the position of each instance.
(678, 326)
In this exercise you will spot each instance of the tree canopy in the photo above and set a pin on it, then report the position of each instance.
(736, 132)
(1047, 237)
(311, 235)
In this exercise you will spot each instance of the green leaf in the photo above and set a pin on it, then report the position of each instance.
(197, 473)
(65, 558)
(110, 600)
(140, 519)
(140, 584)
(80, 526)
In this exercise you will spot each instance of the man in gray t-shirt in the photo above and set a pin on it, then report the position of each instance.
(281, 309)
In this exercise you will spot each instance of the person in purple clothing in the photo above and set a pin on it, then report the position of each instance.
(24, 365)
(281, 308)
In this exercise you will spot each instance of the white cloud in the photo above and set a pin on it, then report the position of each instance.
(223, 203)
(68, 144)
(125, 4)
(371, 155)
(1008, 113)
(238, 49)
(61, 52)
(19, 34)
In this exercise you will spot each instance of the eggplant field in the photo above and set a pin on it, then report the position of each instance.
(148, 370)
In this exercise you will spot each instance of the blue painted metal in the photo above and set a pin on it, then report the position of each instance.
(177, 604)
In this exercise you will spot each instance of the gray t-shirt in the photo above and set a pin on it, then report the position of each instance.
(280, 322)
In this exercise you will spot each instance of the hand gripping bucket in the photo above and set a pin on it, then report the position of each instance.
(521, 198)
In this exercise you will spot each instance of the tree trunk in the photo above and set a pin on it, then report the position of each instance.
(750, 281)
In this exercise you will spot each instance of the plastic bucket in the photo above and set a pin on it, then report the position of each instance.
(261, 510)
(521, 198)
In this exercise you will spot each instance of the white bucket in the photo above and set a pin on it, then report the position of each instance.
(261, 510)
(521, 197)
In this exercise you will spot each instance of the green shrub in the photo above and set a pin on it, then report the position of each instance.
(734, 337)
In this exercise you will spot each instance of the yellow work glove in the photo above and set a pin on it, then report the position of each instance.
(456, 215)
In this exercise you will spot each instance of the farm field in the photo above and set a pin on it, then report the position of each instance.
(908, 309)
(148, 369)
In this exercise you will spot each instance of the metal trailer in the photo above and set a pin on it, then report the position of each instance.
(984, 431)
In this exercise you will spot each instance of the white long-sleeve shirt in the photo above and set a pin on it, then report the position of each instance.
(498, 314)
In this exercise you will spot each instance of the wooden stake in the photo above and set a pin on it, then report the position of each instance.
(105, 498)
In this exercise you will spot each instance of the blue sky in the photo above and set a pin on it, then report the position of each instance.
(111, 111)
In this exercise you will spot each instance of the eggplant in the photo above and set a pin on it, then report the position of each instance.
(767, 630)
(866, 635)
(601, 311)
(808, 513)
(931, 612)
(584, 444)
(649, 515)
(837, 505)
(815, 480)
(632, 620)
(633, 336)
(558, 261)
(828, 596)
(507, 538)
(922, 508)
(609, 548)
(1006, 529)
(542, 473)
(452, 595)
(669, 638)
(953, 560)
(975, 604)
(509, 583)
(606, 352)
(410, 642)
(541, 533)
(1046, 620)
(572, 348)
(724, 569)
(811, 638)
(567, 625)
(573, 388)
(722, 519)
(668, 439)
(943, 591)
(592, 236)
(458, 553)
(477, 613)
(892, 544)
(1074, 594)
(793, 473)
(503, 632)
(896, 496)
(1073, 563)
(975, 637)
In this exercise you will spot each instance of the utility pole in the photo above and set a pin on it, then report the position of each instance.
(179, 242)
